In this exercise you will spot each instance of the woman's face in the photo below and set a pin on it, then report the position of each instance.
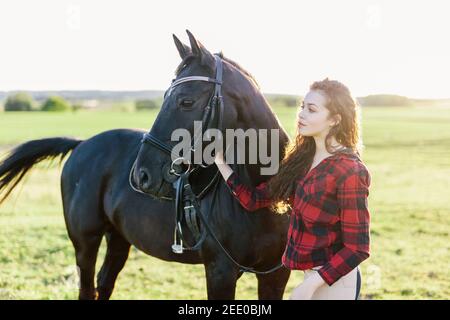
(312, 117)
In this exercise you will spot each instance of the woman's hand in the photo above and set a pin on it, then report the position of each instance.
(218, 158)
(306, 289)
(223, 167)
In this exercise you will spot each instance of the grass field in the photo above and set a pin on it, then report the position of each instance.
(407, 151)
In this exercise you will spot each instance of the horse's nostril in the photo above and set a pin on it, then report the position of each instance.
(144, 178)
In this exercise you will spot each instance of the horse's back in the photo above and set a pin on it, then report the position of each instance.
(86, 173)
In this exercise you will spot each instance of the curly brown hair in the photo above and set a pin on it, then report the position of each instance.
(299, 153)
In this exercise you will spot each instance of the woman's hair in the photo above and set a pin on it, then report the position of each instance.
(299, 153)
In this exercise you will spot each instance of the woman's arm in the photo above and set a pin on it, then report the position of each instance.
(352, 196)
(251, 198)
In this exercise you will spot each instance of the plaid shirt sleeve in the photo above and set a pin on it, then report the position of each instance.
(352, 195)
(251, 198)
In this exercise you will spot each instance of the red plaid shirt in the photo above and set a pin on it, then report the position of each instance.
(329, 223)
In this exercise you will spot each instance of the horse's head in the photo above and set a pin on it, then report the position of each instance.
(190, 98)
(199, 78)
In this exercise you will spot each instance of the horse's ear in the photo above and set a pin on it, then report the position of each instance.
(182, 48)
(206, 57)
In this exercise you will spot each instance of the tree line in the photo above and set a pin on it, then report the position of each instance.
(22, 101)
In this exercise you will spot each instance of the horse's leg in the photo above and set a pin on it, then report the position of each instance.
(86, 249)
(86, 227)
(221, 277)
(271, 286)
(116, 256)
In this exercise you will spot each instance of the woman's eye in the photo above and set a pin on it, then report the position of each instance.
(187, 103)
(309, 108)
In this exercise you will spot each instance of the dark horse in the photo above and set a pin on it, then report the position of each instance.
(99, 201)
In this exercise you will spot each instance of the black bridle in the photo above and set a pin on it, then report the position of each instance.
(185, 199)
(213, 109)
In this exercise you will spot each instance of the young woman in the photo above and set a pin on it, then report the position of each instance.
(326, 184)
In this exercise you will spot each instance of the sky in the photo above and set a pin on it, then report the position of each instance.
(374, 47)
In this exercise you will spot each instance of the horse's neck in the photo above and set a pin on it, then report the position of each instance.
(265, 119)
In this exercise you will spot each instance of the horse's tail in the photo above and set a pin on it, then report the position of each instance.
(16, 163)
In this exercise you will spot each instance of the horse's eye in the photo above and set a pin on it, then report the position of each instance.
(187, 103)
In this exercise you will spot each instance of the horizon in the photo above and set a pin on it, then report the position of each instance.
(162, 91)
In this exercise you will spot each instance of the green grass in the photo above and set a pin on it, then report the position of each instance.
(407, 151)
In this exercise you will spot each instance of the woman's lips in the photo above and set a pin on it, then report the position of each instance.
(301, 124)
